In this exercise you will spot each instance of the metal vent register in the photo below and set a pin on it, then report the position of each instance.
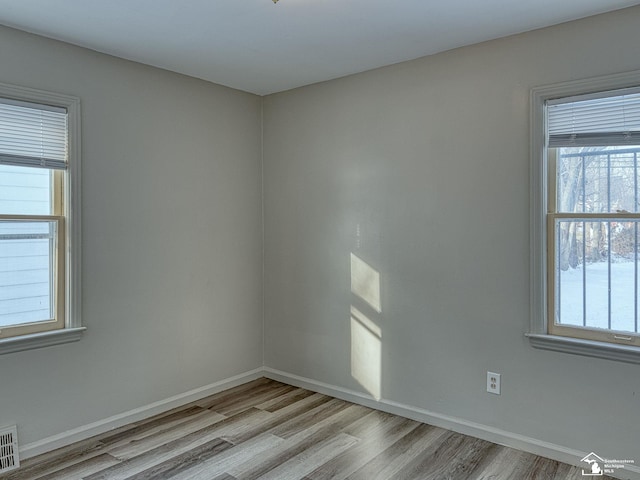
(9, 449)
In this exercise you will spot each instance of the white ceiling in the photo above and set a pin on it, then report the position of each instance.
(259, 47)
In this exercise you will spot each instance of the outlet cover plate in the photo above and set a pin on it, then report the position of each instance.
(493, 383)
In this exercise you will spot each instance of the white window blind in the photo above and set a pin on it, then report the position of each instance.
(33, 136)
(594, 121)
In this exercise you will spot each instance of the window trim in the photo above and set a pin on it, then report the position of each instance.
(73, 328)
(538, 335)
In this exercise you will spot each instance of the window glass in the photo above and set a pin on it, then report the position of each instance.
(26, 272)
(25, 190)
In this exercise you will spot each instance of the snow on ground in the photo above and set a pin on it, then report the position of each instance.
(623, 293)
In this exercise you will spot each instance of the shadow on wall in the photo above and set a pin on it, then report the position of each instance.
(366, 334)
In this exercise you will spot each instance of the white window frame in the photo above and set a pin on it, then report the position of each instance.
(539, 335)
(72, 330)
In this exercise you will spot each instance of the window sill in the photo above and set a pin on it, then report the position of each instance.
(589, 348)
(40, 340)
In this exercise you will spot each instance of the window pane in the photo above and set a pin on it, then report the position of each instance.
(597, 274)
(25, 191)
(26, 271)
(597, 179)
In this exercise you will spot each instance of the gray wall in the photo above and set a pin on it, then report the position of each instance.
(421, 170)
(172, 262)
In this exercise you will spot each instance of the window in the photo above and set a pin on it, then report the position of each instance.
(39, 219)
(586, 217)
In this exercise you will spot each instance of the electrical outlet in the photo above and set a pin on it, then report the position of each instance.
(493, 383)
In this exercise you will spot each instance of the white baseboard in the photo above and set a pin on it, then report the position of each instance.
(484, 432)
(102, 426)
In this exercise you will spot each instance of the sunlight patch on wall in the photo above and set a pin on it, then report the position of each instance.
(366, 352)
(365, 283)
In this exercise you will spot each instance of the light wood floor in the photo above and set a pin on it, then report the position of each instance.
(268, 430)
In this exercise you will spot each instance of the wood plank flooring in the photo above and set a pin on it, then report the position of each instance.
(270, 431)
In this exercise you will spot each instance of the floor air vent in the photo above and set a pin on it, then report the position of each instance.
(9, 449)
